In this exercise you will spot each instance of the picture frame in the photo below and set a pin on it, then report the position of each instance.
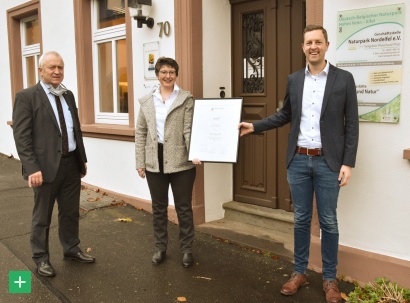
(215, 133)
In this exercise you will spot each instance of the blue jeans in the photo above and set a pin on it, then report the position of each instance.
(306, 176)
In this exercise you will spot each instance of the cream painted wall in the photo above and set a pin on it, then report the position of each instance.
(7, 146)
(217, 73)
(374, 207)
(161, 12)
(113, 167)
(121, 167)
(58, 35)
(112, 163)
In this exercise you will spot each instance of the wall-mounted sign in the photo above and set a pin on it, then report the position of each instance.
(370, 46)
(151, 55)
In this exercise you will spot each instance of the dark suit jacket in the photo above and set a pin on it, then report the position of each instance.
(37, 134)
(339, 121)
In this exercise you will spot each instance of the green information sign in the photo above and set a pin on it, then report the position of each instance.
(370, 46)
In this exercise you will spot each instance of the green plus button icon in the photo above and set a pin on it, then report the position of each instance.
(20, 282)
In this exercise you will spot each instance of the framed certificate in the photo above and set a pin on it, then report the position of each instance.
(215, 133)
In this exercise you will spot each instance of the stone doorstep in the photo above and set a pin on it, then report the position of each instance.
(271, 219)
(254, 227)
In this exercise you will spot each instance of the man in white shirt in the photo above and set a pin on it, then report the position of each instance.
(321, 105)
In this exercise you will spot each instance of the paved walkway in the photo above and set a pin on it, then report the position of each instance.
(223, 272)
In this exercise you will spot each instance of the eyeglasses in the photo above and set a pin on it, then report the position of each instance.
(171, 73)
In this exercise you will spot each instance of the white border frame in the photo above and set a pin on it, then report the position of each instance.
(215, 133)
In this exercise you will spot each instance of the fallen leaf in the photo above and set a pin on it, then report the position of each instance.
(181, 299)
(126, 220)
(117, 203)
(344, 296)
(98, 199)
(89, 249)
(199, 277)
(90, 199)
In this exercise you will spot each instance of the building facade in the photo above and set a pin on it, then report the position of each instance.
(245, 48)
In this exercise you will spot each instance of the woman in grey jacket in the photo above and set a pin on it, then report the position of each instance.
(161, 149)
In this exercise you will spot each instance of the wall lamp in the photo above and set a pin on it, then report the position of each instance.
(139, 10)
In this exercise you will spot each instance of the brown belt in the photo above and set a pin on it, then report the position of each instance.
(313, 152)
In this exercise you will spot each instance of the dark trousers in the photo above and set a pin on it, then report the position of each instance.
(182, 184)
(66, 190)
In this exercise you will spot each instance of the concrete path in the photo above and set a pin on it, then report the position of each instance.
(223, 272)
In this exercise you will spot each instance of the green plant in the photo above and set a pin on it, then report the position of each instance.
(381, 290)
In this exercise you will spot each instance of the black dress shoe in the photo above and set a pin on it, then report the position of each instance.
(45, 269)
(158, 257)
(80, 257)
(187, 260)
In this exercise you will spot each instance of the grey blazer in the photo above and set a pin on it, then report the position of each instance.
(177, 134)
(339, 121)
(37, 134)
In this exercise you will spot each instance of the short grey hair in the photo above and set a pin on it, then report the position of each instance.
(43, 56)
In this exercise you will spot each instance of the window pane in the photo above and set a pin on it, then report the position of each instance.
(110, 13)
(122, 76)
(105, 77)
(253, 48)
(32, 32)
(31, 71)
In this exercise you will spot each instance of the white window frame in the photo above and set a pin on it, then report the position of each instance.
(110, 34)
(31, 50)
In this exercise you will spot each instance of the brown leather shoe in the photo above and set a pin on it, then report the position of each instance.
(332, 291)
(294, 283)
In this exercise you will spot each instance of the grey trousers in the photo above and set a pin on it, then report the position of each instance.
(66, 190)
(182, 184)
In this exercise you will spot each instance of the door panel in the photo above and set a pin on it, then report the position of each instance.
(266, 48)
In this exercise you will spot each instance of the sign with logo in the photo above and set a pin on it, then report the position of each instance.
(370, 46)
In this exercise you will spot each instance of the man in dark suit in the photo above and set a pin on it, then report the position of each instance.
(50, 145)
(321, 105)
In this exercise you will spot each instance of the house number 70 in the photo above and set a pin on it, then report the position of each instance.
(165, 27)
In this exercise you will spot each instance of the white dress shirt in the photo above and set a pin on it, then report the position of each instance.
(162, 109)
(313, 91)
(67, 116)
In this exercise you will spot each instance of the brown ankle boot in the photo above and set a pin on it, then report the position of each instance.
(332, 291)
(294, 283)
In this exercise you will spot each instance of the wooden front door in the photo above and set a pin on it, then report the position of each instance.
(267, 38)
